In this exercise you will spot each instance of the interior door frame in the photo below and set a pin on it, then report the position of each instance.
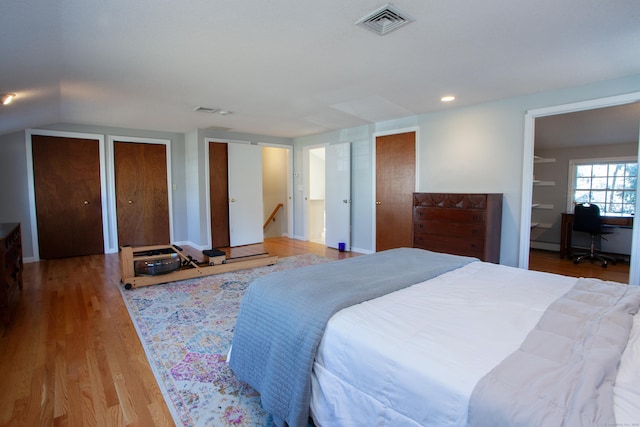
(111, 176)
(207, 172)
(306, 182)
(207, 186)
(289, 149)
(375, 135)
(31, 184)
(527, 175)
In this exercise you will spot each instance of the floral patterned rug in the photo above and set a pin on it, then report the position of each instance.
(186, 330)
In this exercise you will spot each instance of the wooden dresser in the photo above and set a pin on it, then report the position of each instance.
(460, 224)
(10, 265)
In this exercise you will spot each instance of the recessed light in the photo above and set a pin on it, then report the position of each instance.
(7, 98)
(448, 98)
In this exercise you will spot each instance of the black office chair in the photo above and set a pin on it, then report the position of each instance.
(586, 218)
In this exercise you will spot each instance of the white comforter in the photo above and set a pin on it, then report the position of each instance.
(413, 357)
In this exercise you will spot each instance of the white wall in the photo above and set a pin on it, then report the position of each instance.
(471, 149)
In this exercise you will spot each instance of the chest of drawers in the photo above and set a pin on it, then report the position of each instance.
(460, 224)
(10, 265)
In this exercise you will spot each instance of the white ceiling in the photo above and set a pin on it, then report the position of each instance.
(291, 68)
(600, 126)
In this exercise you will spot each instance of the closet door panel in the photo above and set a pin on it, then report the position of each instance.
(66, 174)
(142, 200)
(219, 194)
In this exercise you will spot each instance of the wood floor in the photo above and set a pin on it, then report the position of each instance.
(540, 260)
(71, 356)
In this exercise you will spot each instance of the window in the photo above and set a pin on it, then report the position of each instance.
(609, 183)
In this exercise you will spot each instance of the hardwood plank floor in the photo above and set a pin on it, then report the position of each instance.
(71, 356)
(540, 260)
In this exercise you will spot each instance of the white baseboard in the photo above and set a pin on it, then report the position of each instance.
(191, 244)
(545, 246)
(362, 251)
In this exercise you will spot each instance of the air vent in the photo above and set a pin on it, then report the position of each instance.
(207, 110)
(385, 19)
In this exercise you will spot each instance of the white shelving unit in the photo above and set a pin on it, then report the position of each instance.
(538, 159)
(541, 206)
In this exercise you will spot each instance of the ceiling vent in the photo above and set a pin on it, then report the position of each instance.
(207, 110)
(385, 19)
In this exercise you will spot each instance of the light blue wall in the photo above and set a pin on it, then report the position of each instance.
(188, 153)
(14, 191)
(471, 149)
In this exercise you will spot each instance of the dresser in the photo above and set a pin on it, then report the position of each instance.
(10, 265)
(460, 224)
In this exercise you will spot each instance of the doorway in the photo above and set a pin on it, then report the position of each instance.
(528, 173)
(249, 192)
(316, 214)
(275, 191)
(327, 207)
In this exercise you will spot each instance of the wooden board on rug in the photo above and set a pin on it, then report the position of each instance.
(152, 265)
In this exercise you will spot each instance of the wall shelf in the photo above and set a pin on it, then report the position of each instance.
(538, 159)
(543, 172)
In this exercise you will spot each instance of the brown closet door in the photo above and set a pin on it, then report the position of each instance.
(395, 184)
(142, 199)
(66, 174)
(219, 194)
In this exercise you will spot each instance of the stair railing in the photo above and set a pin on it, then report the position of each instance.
(272, 217)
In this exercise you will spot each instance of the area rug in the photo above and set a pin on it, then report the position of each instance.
(186, 329)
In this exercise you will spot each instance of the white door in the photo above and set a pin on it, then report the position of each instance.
(245, 194)
(338, 195)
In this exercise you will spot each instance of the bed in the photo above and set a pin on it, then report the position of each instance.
(448, 349)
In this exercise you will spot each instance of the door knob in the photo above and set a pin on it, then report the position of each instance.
(130, 201)
(345, 200)
(232, 200)
(378, 202)
(86, 202)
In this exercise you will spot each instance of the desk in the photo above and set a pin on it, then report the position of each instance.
(566, 229)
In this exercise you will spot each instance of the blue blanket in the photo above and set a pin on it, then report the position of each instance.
(283, 315)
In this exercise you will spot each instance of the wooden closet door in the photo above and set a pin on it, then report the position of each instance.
(66, 173)
(395, 184)
(219, 194)
(142, 199)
